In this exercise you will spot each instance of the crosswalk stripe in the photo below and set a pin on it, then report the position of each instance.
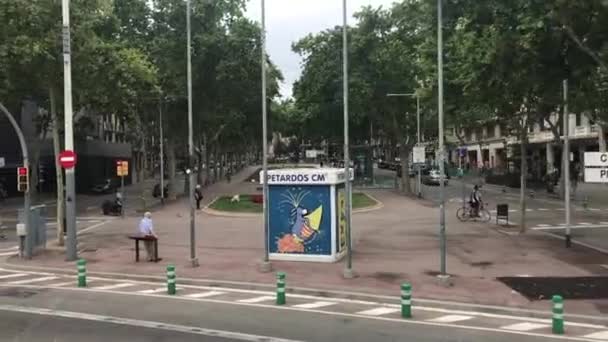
(205, 294)
(543, 209)
(603, 222)
(450, 319)
(543, 225)
(9, 253)
(600, 335)
(378, 311)
(584, 224)
(525, 326)
(73, 282)
(314, 305)
(13, 275)
(512, 210)
(256, 299)
(158, 290)
(114, 286)
(35, 280)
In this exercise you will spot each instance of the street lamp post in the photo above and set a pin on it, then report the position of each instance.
(162, 152)
(419, 180)
(348, 271)
(70, 182)
(567, 164)
(193, 258)
(443, 276)
(265, 266)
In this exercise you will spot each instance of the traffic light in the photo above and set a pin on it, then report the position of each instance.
(22, 179)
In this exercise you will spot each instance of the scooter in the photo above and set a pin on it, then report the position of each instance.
(110, 208)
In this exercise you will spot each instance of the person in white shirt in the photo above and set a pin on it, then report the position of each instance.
(146, 228)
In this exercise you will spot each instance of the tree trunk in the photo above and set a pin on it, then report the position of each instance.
(58, 171)
(207, 165)
(171, 165)
(522, 193)
(404, 155)
(601, 132)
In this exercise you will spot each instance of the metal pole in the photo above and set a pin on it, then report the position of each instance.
(162, 153)
(418, 129)
(265, 266)
(70, 182)
(567, 163)
(348, 271)
(193, 257)
(26, 164)
(442, 236)
(122, 193)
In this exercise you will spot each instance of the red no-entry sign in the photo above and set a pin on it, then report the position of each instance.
(67, 159)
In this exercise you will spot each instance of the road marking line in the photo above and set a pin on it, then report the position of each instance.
(529, 210)
(205, 294)
(600, 335)
(604, 222)
(387, 319)
(256, 299)
(543, 209)
(604, 266)
(525, 326)
(158, 290)
(222, 334)
(73, 282)
(314, 305)
(560, 209)
(92, 227)
(9, 253)
(450, 319)
(512, 210)
(543, 225)
(378, 311)
(584, 224)
(13, 275)
(114, 286)
(35, 280)
(595, 209)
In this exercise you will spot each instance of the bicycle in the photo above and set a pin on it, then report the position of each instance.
(465, 213)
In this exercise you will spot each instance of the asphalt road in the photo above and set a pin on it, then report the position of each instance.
(87, 316)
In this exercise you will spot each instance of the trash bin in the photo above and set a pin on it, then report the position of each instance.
(502, 213)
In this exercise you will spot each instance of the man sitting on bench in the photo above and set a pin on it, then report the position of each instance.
(146, 229)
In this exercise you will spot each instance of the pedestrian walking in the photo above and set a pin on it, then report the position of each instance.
(146, 228)
(198, 196)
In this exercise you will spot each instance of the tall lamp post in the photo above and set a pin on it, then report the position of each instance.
(348, 271)
(419, 180)
(190, 171)
(70, 182)
(443, 276)
(265, 266)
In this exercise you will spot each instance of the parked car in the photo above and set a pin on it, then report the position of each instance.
(433, 177)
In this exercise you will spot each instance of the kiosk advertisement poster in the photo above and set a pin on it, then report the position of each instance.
(299, 220)
(341, 218)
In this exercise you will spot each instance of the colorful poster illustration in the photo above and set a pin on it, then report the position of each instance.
(299, 220)
(341, 218)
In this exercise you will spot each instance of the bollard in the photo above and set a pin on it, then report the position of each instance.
(558, 315)
(82, 273)
(406, 300)
(281, 288)
(171, 279)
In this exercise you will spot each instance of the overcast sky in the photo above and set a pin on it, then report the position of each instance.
(289, 20)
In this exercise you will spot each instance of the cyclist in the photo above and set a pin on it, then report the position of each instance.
(475, 201)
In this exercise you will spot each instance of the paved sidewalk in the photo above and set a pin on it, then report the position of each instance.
(394, 244)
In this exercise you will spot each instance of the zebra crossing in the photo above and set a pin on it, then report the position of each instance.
(298, 302)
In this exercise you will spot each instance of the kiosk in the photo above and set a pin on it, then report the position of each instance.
(307, 214)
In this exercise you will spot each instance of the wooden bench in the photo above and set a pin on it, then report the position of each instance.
(138, 238)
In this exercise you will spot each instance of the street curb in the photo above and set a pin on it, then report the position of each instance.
(207, 210)
(350, 295)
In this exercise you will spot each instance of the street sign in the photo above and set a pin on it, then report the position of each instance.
(419, 155)
(2, 162)
(122, 168)
(67, 159)
(596, 159)
(596, 175)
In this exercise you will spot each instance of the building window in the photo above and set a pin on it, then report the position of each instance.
(578, 119)
(490, 130)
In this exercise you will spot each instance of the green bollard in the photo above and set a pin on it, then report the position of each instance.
(82, 272)
(558, 315)
(281, 288)
(406, 300)
(171, 279)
